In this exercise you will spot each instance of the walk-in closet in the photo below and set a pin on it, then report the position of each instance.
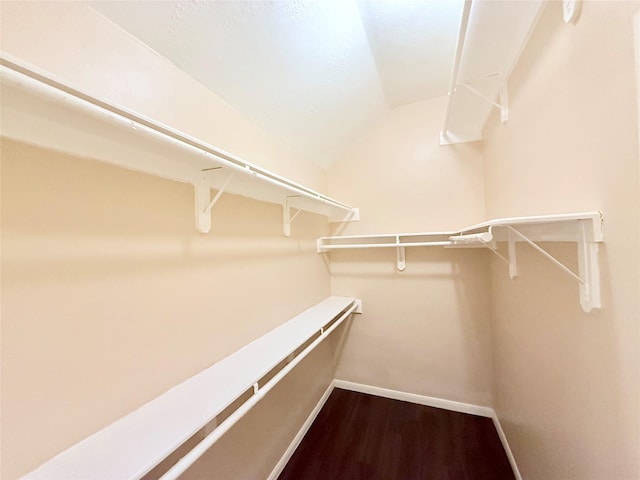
(320, 239)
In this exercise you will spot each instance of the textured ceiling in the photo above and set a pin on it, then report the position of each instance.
(413, 45)
(313, 73)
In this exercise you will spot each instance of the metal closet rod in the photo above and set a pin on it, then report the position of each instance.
(68, 94)
(345, 246)
(462, 33)
(207, 442)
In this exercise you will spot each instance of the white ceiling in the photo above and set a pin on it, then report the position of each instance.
(313, 73)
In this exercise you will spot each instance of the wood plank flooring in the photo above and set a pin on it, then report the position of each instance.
(359, 436)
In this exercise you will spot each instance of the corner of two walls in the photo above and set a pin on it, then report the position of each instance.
(424, 330)
(567, 383)
(109, 295)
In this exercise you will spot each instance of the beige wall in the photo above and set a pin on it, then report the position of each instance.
(566, 382)
(109, 295)
(424, 330)
(403, 181)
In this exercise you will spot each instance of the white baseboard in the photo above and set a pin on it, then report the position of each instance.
(275, 473)
(396, 395)
(505, 445)
(415, 398)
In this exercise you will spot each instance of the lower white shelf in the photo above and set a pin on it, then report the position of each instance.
(132, 446)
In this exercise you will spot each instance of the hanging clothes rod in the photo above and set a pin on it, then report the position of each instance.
(462, 33)
(205, 444)
(205, 160)
(386, 245)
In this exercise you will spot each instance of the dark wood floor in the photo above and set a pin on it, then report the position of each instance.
(358, 436)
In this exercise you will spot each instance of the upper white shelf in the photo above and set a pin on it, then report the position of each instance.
(130, 447)
(39, 109)
(491, 38)
(566, 227)
(540, 228)
(583, 229)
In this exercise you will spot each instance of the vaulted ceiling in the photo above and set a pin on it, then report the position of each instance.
(313, 73)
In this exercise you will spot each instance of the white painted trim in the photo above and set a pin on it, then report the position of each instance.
(437, 403)
(636, 29)
(415, 398)
(505, 445)
(451, 405)
(277, 470)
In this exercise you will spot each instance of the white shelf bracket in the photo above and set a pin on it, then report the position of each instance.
(204, 202)
(503, 106)
(589, 275)
(320, 246)
(589, 271)
(401, 261)
(287, 218)
(492, 247)
(358, 308)
(513, 262)
(352, 215)
(504, 103)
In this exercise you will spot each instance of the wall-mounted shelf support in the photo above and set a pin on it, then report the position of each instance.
(511, 249)
(401, 259)
(589, 270)
(583, 229)
(204, 203)
(545, 254)
(588, 276)
(352, 215)
(503, 106)
(287, 218)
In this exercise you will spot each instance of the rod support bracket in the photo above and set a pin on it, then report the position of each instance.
(589, 271)
(401, 260)
(352, 215)
(503, 105)
(204, 203)
(287, 218)
(358, 308)
(588, 276)
(513, 259)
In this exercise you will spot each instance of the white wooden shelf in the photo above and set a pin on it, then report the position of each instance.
(37, 108)
(491, 38)
(130, 447)
(583, 229)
